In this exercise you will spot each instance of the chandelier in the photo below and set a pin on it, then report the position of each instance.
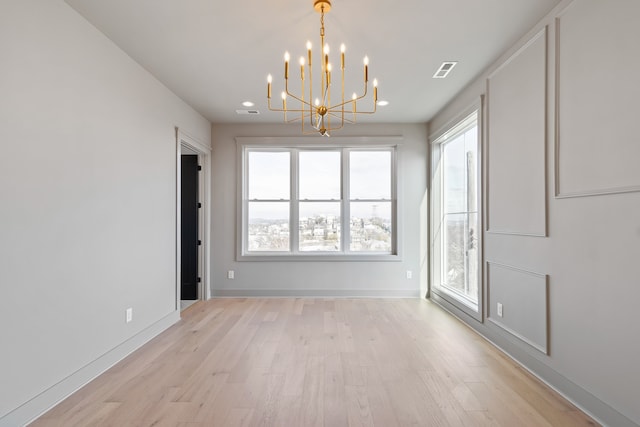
(320, 114)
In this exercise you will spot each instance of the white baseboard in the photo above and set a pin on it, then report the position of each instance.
(32, 409)
(315, 293)
(597, 409)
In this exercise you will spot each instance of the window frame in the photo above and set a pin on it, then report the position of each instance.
(451, 130)
(295, 145)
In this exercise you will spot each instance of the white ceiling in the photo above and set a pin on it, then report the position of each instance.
(216, 54)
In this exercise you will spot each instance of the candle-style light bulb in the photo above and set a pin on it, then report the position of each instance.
(286, 65)
(329, 74)
(302, 68)
(325, 50)
(309, 51)
(366, 69)
(284, 100)
(375, 90)
(353, 104)
(342, 49)
(317, 102)
(269, 79)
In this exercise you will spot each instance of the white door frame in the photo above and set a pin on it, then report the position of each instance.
(184, 140)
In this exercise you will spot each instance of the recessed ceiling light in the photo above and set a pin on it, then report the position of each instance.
(248, 104)
(383, 103)
(444, 69)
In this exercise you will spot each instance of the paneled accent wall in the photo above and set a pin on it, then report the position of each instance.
(516, 142)
(523, 295)
(562, 202)
(591, 139)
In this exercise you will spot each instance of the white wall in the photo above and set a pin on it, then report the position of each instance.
(562, 203)
(318, 278)
(87, 191)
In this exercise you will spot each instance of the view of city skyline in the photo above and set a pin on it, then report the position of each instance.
(321, 200)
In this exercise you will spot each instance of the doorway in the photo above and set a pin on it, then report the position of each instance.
(192, 221)
(189, 236)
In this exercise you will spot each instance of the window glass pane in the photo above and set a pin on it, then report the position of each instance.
(459, 230)
(268, 226)
(473, 257)
(269, 175)
(370, 226)
(319, 226)
(454, 164)
(461, 255)
(370, 175)
(319, 175)
(454, 262)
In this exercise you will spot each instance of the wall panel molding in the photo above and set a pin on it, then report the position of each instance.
(589, 140)
(516, 142)
(525, 298)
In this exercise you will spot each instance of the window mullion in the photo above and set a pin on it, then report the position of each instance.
(294, 221)
(245, 200)
(345, 222)
(394, 201)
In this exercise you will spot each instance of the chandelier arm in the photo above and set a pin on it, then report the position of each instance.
(358, 98)
(302, 96)
(328, 97)
(341, 105)
(295, 119)
(342, 121)
(310, 103)
(286, 90)
(287, 110)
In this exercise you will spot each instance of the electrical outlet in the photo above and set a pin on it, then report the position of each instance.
(499, 309)
(128, 315)
(231, 274)
(409, 274)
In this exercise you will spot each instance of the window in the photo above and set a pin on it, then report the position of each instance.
(306, 202)
(370, 201)
(269, 205)
(456, 227)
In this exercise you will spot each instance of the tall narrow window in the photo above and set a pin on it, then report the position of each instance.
(457, 231)
(320, 201)
(370, 201)
(269, 201)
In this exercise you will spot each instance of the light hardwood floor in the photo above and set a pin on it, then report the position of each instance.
(316, 362)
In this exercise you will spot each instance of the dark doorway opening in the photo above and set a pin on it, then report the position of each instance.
(189, 243)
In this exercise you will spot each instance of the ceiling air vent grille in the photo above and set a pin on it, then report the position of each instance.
(444, 69)
(247, 112)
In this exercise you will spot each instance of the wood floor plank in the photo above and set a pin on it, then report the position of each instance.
(316, 362)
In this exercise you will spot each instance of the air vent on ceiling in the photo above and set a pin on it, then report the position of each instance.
(247, 112)
(444, 69)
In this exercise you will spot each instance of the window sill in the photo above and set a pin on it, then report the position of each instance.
(320, 258)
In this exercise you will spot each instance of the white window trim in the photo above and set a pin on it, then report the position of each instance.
(344, 144)
(437, 139)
